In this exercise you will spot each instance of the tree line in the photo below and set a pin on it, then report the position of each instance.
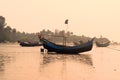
(8, 34)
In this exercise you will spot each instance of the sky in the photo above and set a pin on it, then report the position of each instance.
(86, 17)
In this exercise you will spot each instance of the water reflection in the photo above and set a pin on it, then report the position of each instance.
(4, 59)
(84, 58)
(67, 67)
(27, 63)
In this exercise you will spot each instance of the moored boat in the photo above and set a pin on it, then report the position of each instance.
(102, 42)
(52, 47)
(29, 44)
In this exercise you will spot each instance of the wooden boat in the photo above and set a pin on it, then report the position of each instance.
(29, 44)
(52, 47)
(102, 44)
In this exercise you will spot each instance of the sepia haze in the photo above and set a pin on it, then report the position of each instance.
(86, 17)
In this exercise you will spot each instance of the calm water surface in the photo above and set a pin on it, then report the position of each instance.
(27, 63)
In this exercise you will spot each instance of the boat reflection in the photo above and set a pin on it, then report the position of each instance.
(63, 66)
(4, 59)
(82, 58)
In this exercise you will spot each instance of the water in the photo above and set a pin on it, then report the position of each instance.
(27, 63)
(107, 63)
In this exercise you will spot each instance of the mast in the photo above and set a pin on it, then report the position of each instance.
(64, 36)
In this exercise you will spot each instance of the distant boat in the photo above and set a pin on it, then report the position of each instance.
(52, 47)
(102, 42)
(29, 44)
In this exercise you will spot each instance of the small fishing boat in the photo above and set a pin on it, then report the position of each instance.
(102, 42)
(52, 47)
(105, 44)
(29, 44)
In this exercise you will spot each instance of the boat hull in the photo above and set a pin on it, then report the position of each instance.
(102, 44)
(52, 47)
(29, 44)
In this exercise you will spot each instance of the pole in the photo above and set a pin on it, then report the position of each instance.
(66, 35)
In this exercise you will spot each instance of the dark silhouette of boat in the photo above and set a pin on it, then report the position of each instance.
(52, 47)
(29, 44)
(102, 44)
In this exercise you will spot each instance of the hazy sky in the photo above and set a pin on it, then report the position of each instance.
(86, 17)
